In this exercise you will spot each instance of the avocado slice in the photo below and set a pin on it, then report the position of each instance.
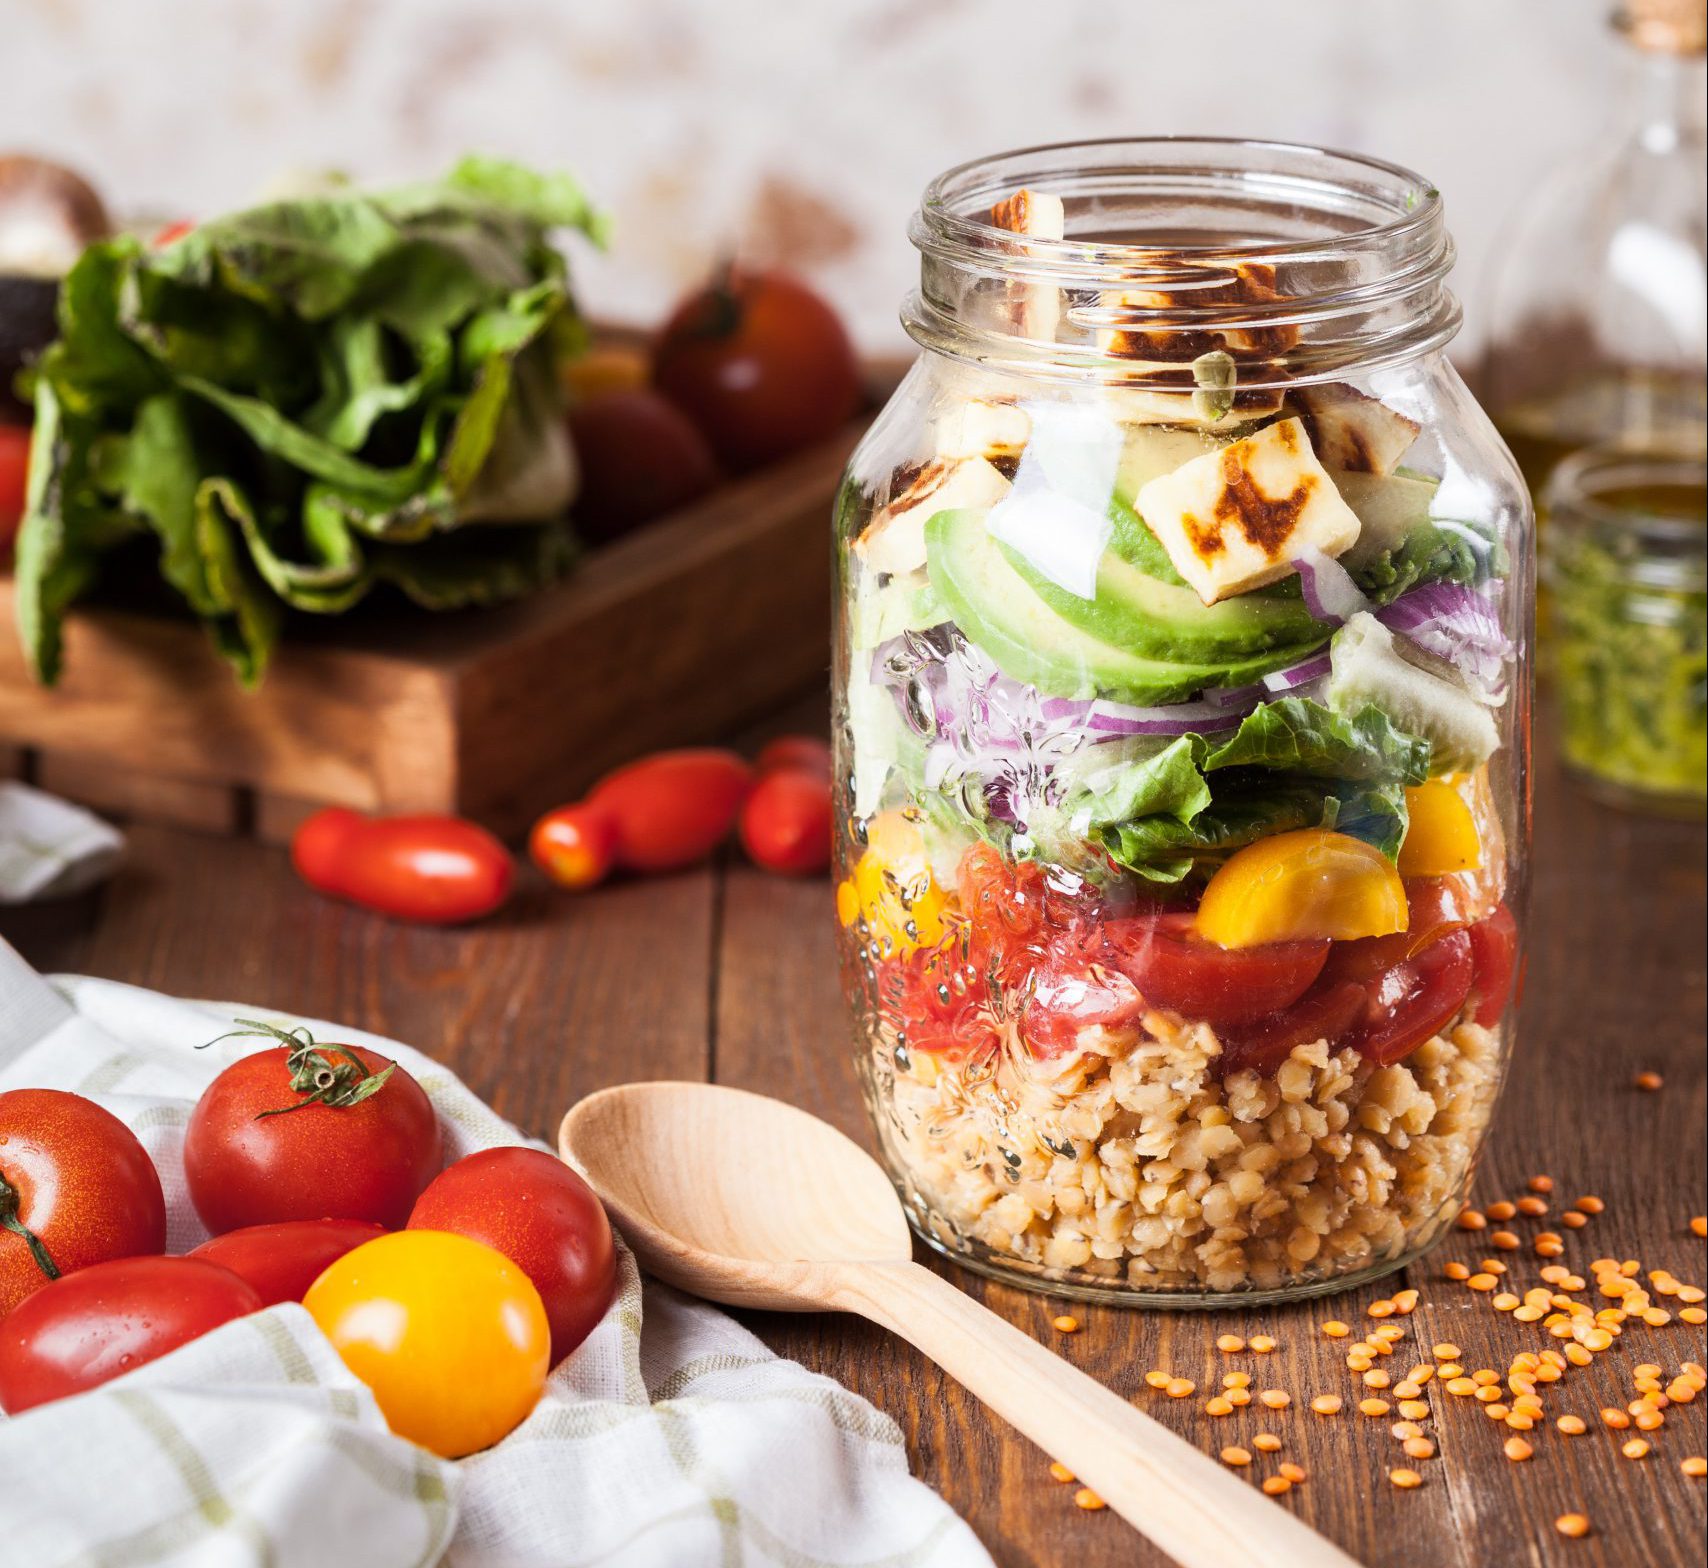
(1139, 609)
(997, 608)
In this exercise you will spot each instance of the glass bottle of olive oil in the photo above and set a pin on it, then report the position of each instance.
(1600, 299)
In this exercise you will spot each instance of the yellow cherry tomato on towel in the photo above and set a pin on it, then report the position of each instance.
(449, 1334)
(1294, 886)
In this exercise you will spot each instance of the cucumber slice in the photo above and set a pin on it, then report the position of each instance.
(1419, 693)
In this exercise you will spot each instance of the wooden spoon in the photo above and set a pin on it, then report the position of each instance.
(752, 1202)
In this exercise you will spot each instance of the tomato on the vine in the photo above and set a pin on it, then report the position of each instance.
(640, 457)
(76, 1188)
(306, 1132)
(761, 364)
(110, 1318)
(542, 1216)
(280, 1261)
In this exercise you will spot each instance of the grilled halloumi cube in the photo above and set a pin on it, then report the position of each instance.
(1224, 288)
(1236, 519)
(1351, 431)
(894, 541)
(1037, 215)
(991, 428)
(1154, 405)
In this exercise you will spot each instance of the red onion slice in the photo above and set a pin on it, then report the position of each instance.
(1329, 591)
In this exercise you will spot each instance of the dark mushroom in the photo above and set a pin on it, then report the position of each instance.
(47, 216)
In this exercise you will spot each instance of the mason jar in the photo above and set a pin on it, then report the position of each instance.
(1181, 698)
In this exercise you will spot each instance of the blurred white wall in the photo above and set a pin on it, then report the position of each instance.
(797, 128)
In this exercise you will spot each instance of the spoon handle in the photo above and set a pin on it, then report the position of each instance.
(1198, 1512)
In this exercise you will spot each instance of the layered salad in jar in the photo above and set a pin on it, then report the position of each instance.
(1174, 881)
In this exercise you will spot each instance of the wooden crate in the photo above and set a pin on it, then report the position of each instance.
(670, 636)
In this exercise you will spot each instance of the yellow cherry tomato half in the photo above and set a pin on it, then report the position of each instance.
(893, 890)
(449, 1334)
(1441, 835)
(1308, 884)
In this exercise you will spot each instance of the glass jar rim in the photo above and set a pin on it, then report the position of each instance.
(1357, 247)
(1656, 549)
(1415, 206)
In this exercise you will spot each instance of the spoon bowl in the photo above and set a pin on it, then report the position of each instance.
(753, 1203)
(751, 1181)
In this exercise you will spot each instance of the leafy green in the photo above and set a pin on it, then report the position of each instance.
(1435, 551)
(303, 400)
(1292, 763)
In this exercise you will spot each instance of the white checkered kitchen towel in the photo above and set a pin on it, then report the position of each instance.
(672, 1438)
(49, 847)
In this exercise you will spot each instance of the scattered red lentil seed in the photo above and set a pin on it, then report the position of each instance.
(1061, 1471)
(1405, 1301)
(1373, 1407)
(1693, 1315)
(1573, 1526)
(1695, 1466)
(1219, 1406)
(1649, 1081)
(1501, 1211)
(1088, 1500)
(1483, 1281)
(1449, 1369)
(1237, 1458)
(1236, 1380)
(1418, 1448)
(1158, 1379)
(1649, 1421)
(1288, 1471)
(1239, 1396)
(1456, 1271)
(1533, 1206)
(1572, 1426)
(1406, 1429)
(1065, 1324)
(1266, 1443)
(1335, 1329)
(1699, 1224)
(1327, 1404)
(1496, 1411)
(1517, 1450)
(1472, 1219)
(1275, 1398)
(1413, 1409)
(1180, 1388)
(1261, 1343)
(1505, 1240)
(1573, 1220)
(1520, 1421)
(1590, 1204)
(1404, 1479)
(1276, 1485)
(1637, 1448)
(1230, 1343)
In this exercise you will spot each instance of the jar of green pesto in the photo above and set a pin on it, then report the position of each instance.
(1625, 560)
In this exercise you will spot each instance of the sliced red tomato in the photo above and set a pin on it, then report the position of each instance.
(1070, 994)
(1178, 970)
(1413, 1000)
(940, 1003)
(1325, 1012)
(1494, 961)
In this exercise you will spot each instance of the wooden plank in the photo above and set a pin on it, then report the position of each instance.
(554, 997)
(14, 762)
(132, 793)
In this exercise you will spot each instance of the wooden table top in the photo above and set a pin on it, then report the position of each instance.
(728, 974)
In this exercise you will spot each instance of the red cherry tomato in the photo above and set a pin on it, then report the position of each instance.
(76, 1189)
(576, 846)
(110, 1318)
(324, 1157)
(1494, 960)
(807, 753)
(641, 457)
(14, 474)
(1176, 969)
(1261, 1045)
(786, 822)
(543, 1217)
(281, 1261)
(673, 809)
(320, 847)
(438, 870)
(1415, 999)
(761, 364)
